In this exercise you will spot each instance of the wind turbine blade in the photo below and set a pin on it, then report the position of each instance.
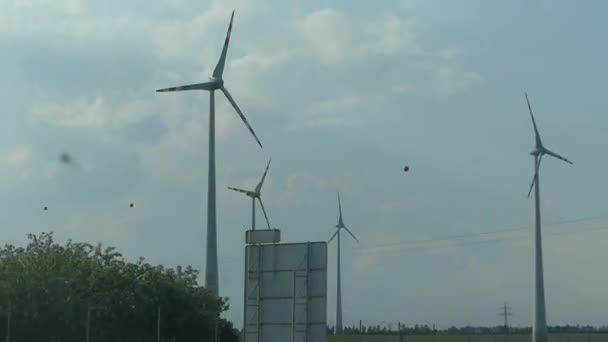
(333, 236)
(537, 135)
(555, 155)
(351, 234)
(532, 185)
(240, 190)
(339, 209)
(264, 211)
(536, 168)
(197, 86)
(264, 176)
(238, 110)
(219, 67)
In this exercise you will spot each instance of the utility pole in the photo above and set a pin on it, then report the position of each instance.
(505, 312)
(158, 325)
(360, 330)
(217, 320)
(88, 322)
(8, 322)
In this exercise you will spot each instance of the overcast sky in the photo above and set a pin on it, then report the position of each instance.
(342, 94)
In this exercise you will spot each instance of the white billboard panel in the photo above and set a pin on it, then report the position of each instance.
(286, 292)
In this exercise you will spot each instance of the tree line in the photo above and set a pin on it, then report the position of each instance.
(421, 330)
(78, 291)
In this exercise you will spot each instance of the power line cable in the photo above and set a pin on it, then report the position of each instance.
(473, 235)
(457, 243)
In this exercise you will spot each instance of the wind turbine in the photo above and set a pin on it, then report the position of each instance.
(339, 227)
(216, 82)
(539, 326)
(255, 194)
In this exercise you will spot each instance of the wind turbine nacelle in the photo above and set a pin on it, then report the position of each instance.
(218, 81)
(259, 236)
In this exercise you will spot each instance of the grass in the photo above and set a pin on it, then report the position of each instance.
(498, 338)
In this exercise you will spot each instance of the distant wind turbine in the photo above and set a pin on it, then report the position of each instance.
(339, 227)
(215, 82)
(255, 194)
(539, 326)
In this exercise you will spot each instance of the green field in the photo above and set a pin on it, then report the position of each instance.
(515, 338)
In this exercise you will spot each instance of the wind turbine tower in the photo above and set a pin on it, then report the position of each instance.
(339, 227)
(216, 82)
(539, 325)
(255, 194)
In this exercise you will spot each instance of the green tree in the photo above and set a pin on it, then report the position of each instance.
(52, 286)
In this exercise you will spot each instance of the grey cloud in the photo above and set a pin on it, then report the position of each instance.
(50, 64)
(147, 131)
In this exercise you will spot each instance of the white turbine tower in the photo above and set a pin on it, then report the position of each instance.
(339, 227)
(255, 194)
(215, 83)
(539, 326)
